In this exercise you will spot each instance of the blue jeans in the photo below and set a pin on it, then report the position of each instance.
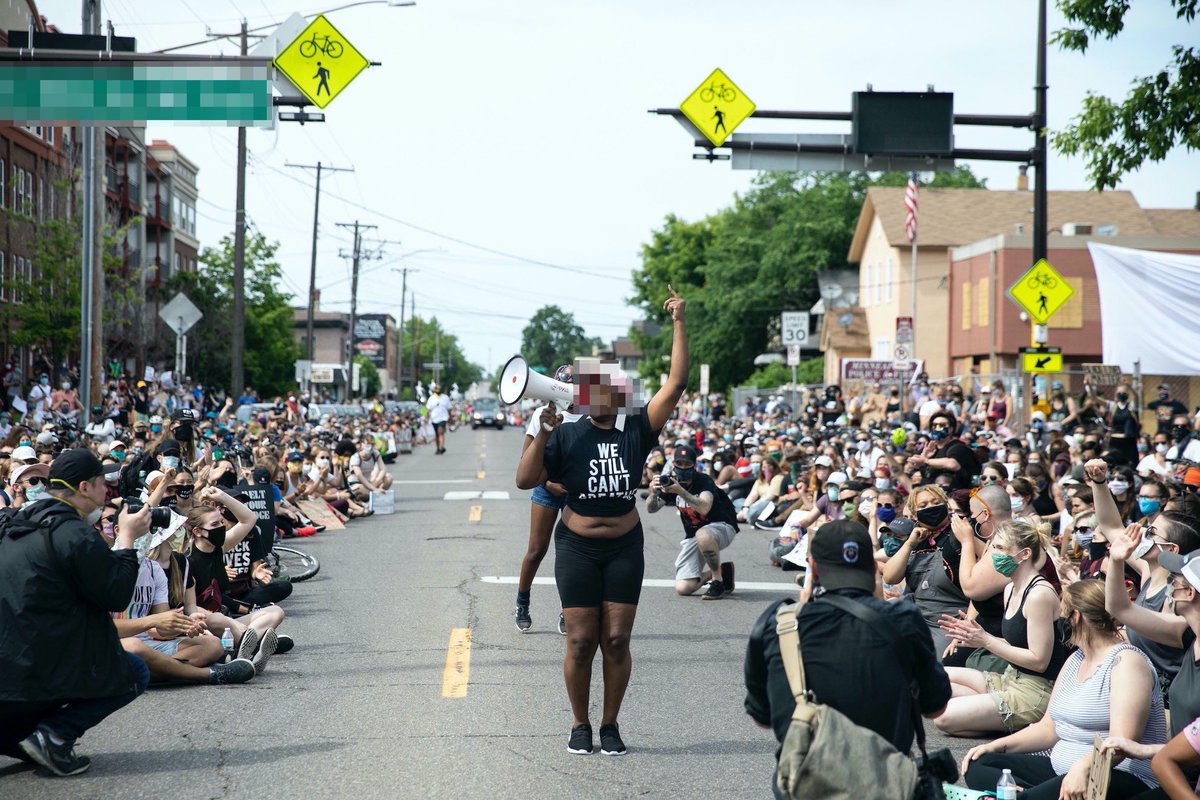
(67, 719)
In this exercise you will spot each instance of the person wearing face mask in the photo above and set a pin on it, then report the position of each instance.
(927, 562)
(210, 541)
(709, 526)
(38, 401)
(1124, 427)
(767, 489)
(1166, 408)
(1185, 446)
(30, 483)
(64, 668)
(1032, 654)
(946, 454)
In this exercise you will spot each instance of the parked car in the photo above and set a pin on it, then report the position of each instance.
(251, 410)
(318, 410)
(487, 411)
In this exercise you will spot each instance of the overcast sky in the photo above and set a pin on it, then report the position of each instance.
(521, 127)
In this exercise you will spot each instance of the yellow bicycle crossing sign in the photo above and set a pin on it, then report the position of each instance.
(320, 62)
(716, 107)
(1041, 291)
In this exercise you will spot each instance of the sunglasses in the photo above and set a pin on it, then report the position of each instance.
(886, 505)
(988, 480)
(37, 481)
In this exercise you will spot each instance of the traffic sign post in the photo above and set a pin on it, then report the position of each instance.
(716, 107)
(904, 340)
(320, 62)
(181, 315)
(1041, 291)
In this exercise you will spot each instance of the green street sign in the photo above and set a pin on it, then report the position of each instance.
(116, 93)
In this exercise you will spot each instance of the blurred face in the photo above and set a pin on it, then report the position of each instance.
(1078, 506)
(925, 500)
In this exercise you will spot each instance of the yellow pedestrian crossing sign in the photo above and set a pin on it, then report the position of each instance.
(716, 107)
(1037, 361)
(320, 62)
(1041, 291)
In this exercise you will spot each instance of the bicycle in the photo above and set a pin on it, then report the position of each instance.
(329, 47)
(726, 93)
(288, 563)
(1040, 281)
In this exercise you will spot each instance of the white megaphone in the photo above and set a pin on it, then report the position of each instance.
(518, 381)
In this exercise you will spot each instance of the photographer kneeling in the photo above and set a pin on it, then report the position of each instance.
(849, 664)
(64, 669)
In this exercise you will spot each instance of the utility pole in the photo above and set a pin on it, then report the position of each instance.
(99, 157)
(310, 349)
(400, 340)
(91, 317)
(416, 341)
(237, 377)
(357, 256)
(1039, 130)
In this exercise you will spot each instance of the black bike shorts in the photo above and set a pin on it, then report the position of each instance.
(589, 570)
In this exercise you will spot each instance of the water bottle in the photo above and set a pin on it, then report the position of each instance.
(1006, 789)
(227, 642)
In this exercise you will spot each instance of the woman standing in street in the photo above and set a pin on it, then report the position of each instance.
(599, 561)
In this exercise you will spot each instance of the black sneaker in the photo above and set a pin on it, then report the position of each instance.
(266, 649)
(521, 615)
(562, 623)
(763, 525)
(249, 644)
(714, 591)
(581, 740)
(283, 643)
(239, 670)
(727, 576)
(610, 741)
(59, 759)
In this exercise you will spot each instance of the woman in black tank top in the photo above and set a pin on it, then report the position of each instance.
(988, 701)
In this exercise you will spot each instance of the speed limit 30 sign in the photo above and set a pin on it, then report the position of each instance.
(793, 327)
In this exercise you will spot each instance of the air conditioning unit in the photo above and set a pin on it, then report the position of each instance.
(1077, 229)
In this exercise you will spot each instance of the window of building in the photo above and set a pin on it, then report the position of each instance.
(18, 187)
(882, 347)
(887, 280)
(41, 201)
(867, 278)
(3, 172)
(3, 279)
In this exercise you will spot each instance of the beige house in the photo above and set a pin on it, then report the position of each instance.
(951, 218)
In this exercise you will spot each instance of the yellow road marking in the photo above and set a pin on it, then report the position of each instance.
(475, 514)
(481, 475)
(458, 663)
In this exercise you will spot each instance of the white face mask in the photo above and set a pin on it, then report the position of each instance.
(1118, 487)
(322, 463)
(34, 493)
(882, 483)
(864, 508)
(1160, 448)
(1016, 503)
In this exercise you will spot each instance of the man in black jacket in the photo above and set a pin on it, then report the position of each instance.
(848, 664)
(64, 668)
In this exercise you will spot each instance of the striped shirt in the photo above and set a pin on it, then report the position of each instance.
(1081, 710)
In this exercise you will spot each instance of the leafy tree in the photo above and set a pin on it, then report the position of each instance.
(776, 374)
(42, 307)
(368, 377)
(1160, 111)
(553, 337)
(271, 347)
(430, 340)
(740, 267)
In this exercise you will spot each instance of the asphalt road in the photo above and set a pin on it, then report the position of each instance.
(357, 709)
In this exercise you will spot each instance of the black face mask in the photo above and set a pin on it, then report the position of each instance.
(1180, 432)
(183, 492)
(216, 537)
(932, 516)
(1097, 550)
(170, 500)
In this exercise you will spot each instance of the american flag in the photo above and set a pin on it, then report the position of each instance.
(910, 205)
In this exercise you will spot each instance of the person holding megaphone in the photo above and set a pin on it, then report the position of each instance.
(599, 560)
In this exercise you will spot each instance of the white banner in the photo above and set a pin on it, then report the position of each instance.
(1147, 309)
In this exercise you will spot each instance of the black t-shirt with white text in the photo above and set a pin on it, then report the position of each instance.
(240, 558)
(600, 468)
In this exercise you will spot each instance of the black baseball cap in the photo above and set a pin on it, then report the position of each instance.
(186, 415)
(684, 453)
(844, 556)
(167, 446)
(73, 467)
(900, 527)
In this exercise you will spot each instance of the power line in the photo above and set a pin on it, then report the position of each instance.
(449, 238)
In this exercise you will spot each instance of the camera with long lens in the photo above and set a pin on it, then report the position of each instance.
(160, 516)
